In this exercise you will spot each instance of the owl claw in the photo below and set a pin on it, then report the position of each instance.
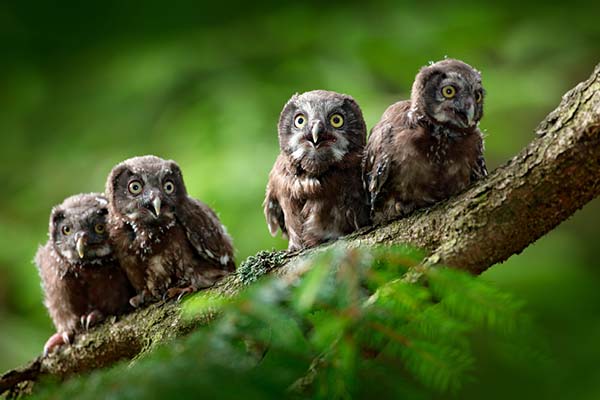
(179, 292)
(137, 301)
(91, 319)
(56, 340)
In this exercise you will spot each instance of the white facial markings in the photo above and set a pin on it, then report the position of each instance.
(298, 153)
(454, 75)
(101, 251)
(340, 148)
(439, 114)
(70, 255)
(301, 148)
(295, 142)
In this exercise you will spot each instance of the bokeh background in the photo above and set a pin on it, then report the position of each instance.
(84, 85)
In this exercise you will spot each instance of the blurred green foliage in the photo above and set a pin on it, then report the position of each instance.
(84, 85)
(345, 330)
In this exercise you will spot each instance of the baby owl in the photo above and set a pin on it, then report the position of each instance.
(81, 279)
(314, 193)
(168, 243)
(428, 148)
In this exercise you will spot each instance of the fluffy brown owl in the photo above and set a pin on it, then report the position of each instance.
(168, 243)
(428, 148)
(81, 279)
(314, 193)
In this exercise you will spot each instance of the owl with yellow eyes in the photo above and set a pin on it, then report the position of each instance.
(315, 193)
(428, 148)
(82, 280)
(168, 243)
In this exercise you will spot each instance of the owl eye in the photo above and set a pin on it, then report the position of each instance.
(299, 120)
(135, 187)
(66, 230)
(448, 91)
(336, 120)
(100, 229)
(169, 187)
(478, 97)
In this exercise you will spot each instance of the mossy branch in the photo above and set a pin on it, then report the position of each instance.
(519, 202)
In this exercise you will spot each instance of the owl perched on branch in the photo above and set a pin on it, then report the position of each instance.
(168, 243)
(315, 193)
(428, 148)
(81, 279)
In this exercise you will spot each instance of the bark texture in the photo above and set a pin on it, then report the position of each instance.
(555, 175)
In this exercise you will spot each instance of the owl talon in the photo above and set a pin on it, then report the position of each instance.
(137, 301)
(56, 340)
(184, 292)
(179, 292)
(91, 319)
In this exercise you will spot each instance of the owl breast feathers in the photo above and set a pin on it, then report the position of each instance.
(428, 148)
(314, 193)
(167, 242)
(81, 279)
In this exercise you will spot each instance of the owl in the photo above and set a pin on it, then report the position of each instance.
(315, 193)
(428, 148)
(168, 243)
(81, 279)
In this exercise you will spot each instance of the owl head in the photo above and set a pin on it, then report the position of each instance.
(78, 228)
(145, 190)
(449, 92)
(320, 128)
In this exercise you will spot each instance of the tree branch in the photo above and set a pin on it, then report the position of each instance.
(555, 175)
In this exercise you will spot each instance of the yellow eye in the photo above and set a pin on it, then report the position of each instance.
(299, 120)
(169, 187)
(478, 97)
(100, 229)
(448, 91)
(135, 187)
(66, 230)
(336, 120)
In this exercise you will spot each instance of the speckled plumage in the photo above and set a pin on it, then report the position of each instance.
(81, 279)
(314, 193)
(179, 247)
(428, 148)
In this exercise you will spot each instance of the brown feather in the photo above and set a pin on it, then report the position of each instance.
(315, 194)
(77, 287)
(412, 160)
(185, 247)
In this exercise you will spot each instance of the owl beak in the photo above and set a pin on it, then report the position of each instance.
(81, 243)
(316, 130)
(156, 203)
(470, 113)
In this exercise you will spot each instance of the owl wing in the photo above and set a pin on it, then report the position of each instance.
(60, 298)
(479, 169)
(376, 163)
(206, 233)
(272, 207)
(274, 213)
